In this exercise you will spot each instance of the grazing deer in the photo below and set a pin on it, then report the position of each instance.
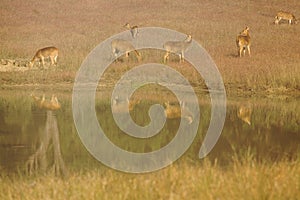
(174, 111)
(243, 41)
(177, 47)
(42, 103)
(120, 46)
(133, 30)
(244, 113)
(281, 15)
(41, 54)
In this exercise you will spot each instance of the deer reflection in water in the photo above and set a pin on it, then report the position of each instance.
(38, 160)
(244, 112)
(174, 111)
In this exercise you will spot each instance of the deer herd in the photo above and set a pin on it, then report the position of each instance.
(243, 42)
(121, 46)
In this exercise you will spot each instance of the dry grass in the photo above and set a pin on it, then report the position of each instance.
(76, 28)
(244, 179)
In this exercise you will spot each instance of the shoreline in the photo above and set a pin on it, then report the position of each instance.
(65, 87)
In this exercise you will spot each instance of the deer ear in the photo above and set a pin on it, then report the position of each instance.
(56, 100)
(167, 103)
(182, 104)
(115, 101)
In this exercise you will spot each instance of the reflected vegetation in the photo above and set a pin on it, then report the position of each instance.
(35, 140)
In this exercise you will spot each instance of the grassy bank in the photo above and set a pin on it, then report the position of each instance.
(270, 171)
(244, 179)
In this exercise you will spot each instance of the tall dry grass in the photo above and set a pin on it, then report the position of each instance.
(244, 179)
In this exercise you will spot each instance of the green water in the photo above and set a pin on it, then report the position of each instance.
(270, 134)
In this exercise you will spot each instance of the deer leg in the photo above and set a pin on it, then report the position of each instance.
(166, 57)
(248, 47)
(52, 60)
(39, 62)
(132, 33)
(179, 55)
(127, 55)
(115, 54)
(138, 56)
(55, 60)
(43, 62)
(116, 57)
(240, 51)
(182, 56)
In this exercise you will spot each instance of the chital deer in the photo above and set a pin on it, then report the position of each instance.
(177, 47)
(281, 15)
(41, 54)
(174, 111)
(121, 46)
(243, 42)
(133, 29)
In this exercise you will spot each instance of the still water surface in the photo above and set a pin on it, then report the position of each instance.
(33, 140)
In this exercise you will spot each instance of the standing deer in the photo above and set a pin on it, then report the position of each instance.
(281, 15)
(121, 46)
(41, 54)
(177, 47)
(243, 42)
(133, 29)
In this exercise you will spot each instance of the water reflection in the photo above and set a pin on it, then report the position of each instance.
(174, 111)
(36, 137)
(120, 106)
(244, 113)
(38, 161)
(43, 103)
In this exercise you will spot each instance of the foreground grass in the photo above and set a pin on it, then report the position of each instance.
(245, 179)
